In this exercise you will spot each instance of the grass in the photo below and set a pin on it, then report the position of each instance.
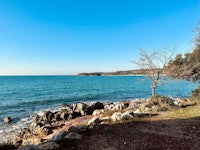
(187, 112)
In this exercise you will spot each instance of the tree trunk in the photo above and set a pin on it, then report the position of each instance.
(153, 89)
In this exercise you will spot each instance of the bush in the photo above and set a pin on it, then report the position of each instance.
(160, 103)
(195, 96)
(161, 100)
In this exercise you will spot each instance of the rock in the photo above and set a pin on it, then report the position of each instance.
(183, 102)
(78, 129)
(75, 115)
(66, 106)
(120, 106)
(94, 121)
(37, 119)
(108, 107)
(137, 111)
(7, 120)
(97, 105)
(59, 136)
(128, 114)
(36, 128)
(80, 108)
(30, 139)
(64, 116)
(116, 116)
(18, 139)
(47, 116)
(56, 116)
(49, 146)
(98, 112)
(73, 136)
(134, 105)
(147, 109)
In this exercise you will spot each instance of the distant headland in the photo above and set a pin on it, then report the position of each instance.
(116, 73)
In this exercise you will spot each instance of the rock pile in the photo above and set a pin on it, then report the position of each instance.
(72, 121)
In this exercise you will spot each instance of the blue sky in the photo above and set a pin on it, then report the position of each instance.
(71, 36)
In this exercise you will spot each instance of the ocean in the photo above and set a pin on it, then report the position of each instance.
(23, 96)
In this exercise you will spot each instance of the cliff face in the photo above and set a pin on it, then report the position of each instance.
(127, 72)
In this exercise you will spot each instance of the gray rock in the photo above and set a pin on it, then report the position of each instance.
(7, 120)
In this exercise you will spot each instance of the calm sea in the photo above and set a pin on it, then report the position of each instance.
(21, 96)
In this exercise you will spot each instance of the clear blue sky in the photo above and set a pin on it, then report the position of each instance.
(71, 36)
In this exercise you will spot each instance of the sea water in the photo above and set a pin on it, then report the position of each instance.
(23, 96)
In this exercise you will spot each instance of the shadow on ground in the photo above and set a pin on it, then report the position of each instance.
(138, 134)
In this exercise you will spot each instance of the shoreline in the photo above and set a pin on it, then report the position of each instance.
(76, 110)
(11, 129)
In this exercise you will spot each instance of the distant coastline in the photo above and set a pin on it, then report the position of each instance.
(139, 72)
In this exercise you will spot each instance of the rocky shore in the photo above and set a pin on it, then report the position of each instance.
(71, 122)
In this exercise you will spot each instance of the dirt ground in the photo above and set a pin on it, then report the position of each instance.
(156, 133)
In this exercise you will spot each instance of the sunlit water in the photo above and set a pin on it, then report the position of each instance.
(22, 96)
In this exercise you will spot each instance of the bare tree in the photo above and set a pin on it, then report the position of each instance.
(153, 65)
